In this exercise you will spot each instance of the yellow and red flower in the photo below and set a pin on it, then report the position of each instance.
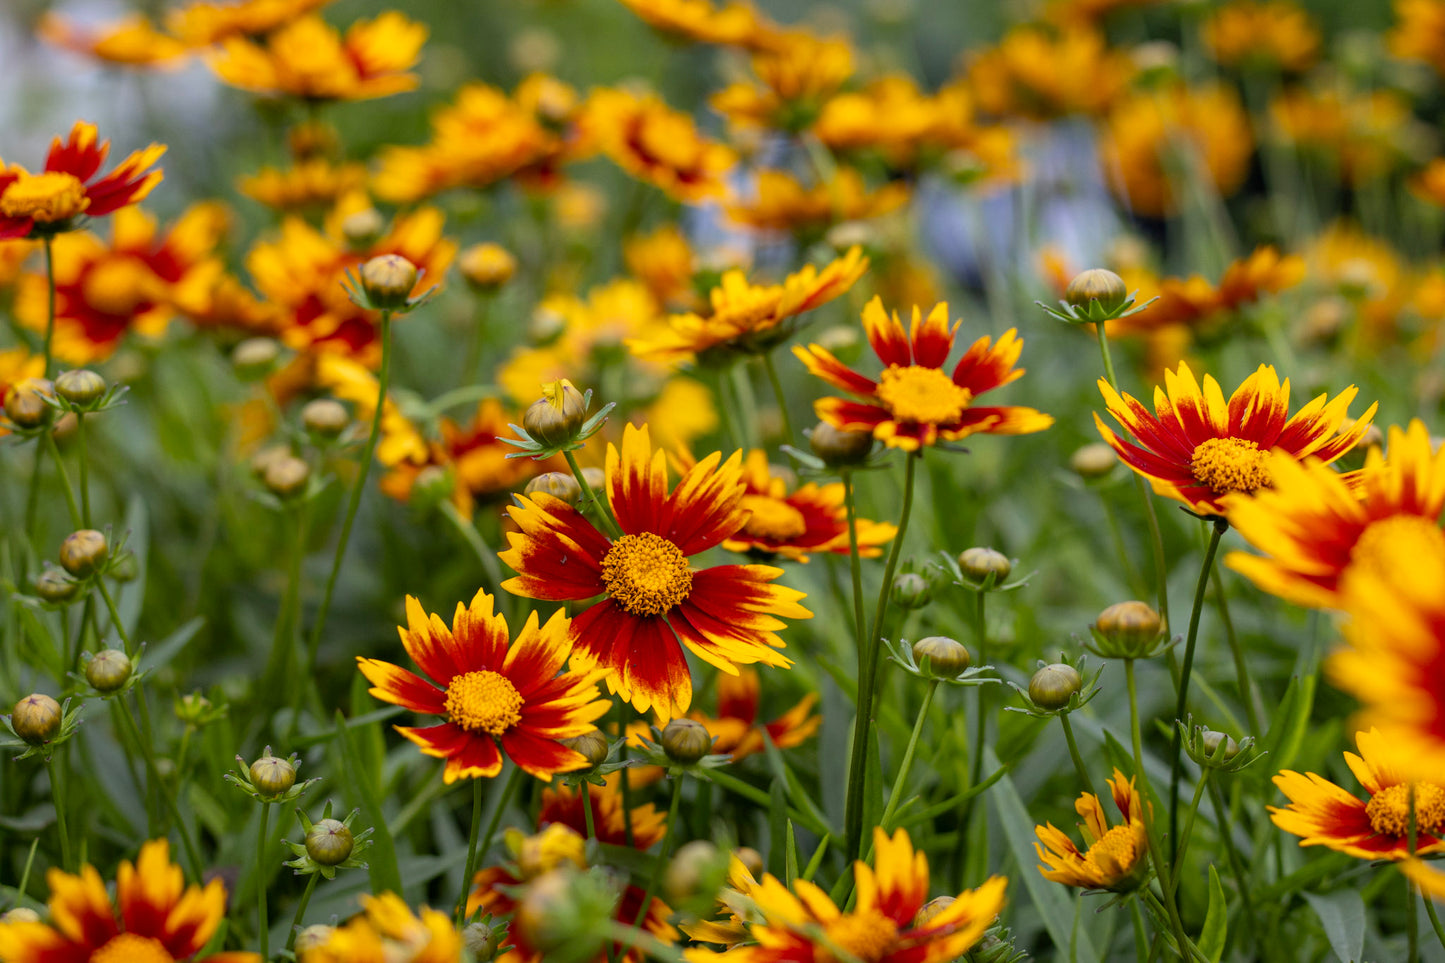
(153, 918)
(1114, 857)
(1197, 448)
(914, 403)
(563, 805)
(735, 729)
(656, 144)
(132, 42)
(805, 926)
(204, 23)
(1316, 524)
(386, 931)
(50, 200)
(1323, 814)
(495, 690)
(654, 598)
(736, 23)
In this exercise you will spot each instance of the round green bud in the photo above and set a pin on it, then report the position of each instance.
(686, 741)
(325, 417)
(108, 670)
(697, 869)
(555, 421)
(80, 387)
(481, 941)
(911, 591)
(1052, 686)
(388, 280)
(558, 484)
(1130, 627)
(592, 746)
(313, 937)
(272, 776)
(946, 657)
(83, 552)
(362, 228)
(36, 719)
(255, 357)
(25, 403)
(20, 914)
(1210, 741)
(977, 564)
(543, 910)
(329, 842)
(487, 266)
(839, 448)
(192, 707)
(1099, 285)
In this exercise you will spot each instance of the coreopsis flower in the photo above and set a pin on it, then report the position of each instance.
(133, 284)
(49, 202)
(563, 805)
(205, 23)
(889, 114)
(1315, 524)
(1154, 139)
(1272, 34)
(310, 59)
(750, 318)
(803, 925)
(315, 182)
(915, 403)
(1039, 73)
(1419, 32)
(781, 203)
(1197, 448)
(793, 80)
(654, 602)
(1115, 857)
(1193, 301)
(736, 24)
(497, 691)
(664, 262)
(656, 144)
(154, 917)
(132, 42)
(735, 728)
(1360, 136)
(386, 931)
(1324, 814)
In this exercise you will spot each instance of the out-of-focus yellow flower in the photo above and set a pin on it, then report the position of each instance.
(736, 24)
(890, 113)
(310, 59)
(1362, 137)
(747, 317)
(205, 23)
(657, 144)
(782, 203)
(13, 255)
(388, 932)
(315, 182)
(1193, 301)
(1366, 271)
(1429, 184)
(1419, 32)
(1155, 140)
(132, 42)
(794, 78)
(663, 260)
(1039, 73)
(401, 442)
(1272, 34)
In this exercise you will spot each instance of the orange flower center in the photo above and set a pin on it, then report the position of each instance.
(772, 519)
(1389, 810)
(483, 701)
(130, 948)
(45, 198)
(1230, 465)
(646, 574)
(1115, 853)
(922, 395)
(1416, 535)
(118, 286)
(865, 936)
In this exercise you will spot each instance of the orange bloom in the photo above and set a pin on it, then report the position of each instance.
(1115, 856)
(795, 76)
(562, 804)
(654, 598)
(495, 691)
(49, 202)
(1419, 32)
(313, 182)
(204, 23)
(781, 203)
(1197, 448)
(735, 728)
(656, 144)
(1037, 72)
(1193, 301)
(133, 42)
(914, 403)
(663, 261)
(1275, 34)
(386, 931)
(153, 917)
(736, 23)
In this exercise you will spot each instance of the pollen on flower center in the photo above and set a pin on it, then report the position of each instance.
(132, 948)
(772, 519)
(483, 701)
(1389, 810)
(646, 574)
(1230, 465)
(866, 936)
(1115, 853)
(46, 198)
(922, 395)
(1416, 535)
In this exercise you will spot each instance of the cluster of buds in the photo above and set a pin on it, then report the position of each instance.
(1217, 750)
(1093, 297)
(1128, 630)
(329, 844)
(270, 779)
(1058, 687)
(85, 556)
(938, 658)
(557, 422)
(385, 283)
(40, 725)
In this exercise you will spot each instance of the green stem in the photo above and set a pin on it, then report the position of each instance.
(586, 790)
(1248, 694)
(48, 243)
(1177, 761)
(1236, 864)
(114, 616)
(283, 637)
(855, 562)
(748, 791)
(1141, 941)
(747, 404)
(1099, 329)
(662, 853)
(1074, 754)
(76, 519)
(58, 793)
(599, 508)
(896, 796)
(782, 399)
(473, 848)
(868, 676)
(1189, 823)
(84, 469)
(354, 502)
(264, 934)
(980, 635)
(1434, 919)
(474, 343)
(301, 910)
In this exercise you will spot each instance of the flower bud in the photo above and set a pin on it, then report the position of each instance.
(697, 870)
(1210, 741)
(36, 719)
(946, 657)
(255, 357)
(262, 459)
(83, 552)
(487, 267)
(20, 914)
(315, 936)
(272, 776)
(751, 859)
(930, 909)
(325, 417)
(911, 591)
(686, 741)
(1093, 461)
(558, 484)
(192, 708)
(362, 228)
(596, 479)
(1105, 287)
(1129, 629)
(108, 670)
(481, 941)
(55, 586)
(329, 842)
(25, 402)
(433, 485)
(592, 746)
(388, 280)
(80, 387)
(977, 564)
(543, 910)
(286, 476)
(554, 419)
(839, 448)
(1052, 686)
(124, 569)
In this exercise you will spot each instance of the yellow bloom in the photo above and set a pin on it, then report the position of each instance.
(1114, 857)
(657, 144)
(1367, 271)
(309, 58)
(388, 932)
(1275, 34)
(1361, 136)
(782, 203)
(1419, 32)
(315, 182)
(663, 260)
(132, 42)
(794, 78)
(1040, 73)
(736, 23)
(205, 23)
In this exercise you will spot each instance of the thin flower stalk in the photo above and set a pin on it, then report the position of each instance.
(900, 781)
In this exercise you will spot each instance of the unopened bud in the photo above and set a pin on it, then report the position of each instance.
(839, 448)
(977, 564)
(255, 357)
(1099, 285)
(83, 552)
(272, 776)
(388, 280)
(192, 708)
(697, 869)
(946, 657)
(80, 387)
(108, 670)
(487, 267)
(36, 719)
(911, 591)
(555, 419)
(287, 476)
(1211, 741)
(433, 485)
(686, 741)
(1129, 629)
(596, 478)
(481, 941)
(325, 417)
(25, 402)
(55, 586)
(362, 228)
(592, 746)
(751, 859)
(315, 936)
(1093, 461)
(558, 484)
(544, 909)
(20, 914)
(329, 842)
(1052, 686)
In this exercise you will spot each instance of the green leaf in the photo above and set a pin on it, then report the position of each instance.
(137, 523)
(1342, 914)
(385, 876)
(777, 829)
(1291, 721)
(1216, 920)
(791, 863)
